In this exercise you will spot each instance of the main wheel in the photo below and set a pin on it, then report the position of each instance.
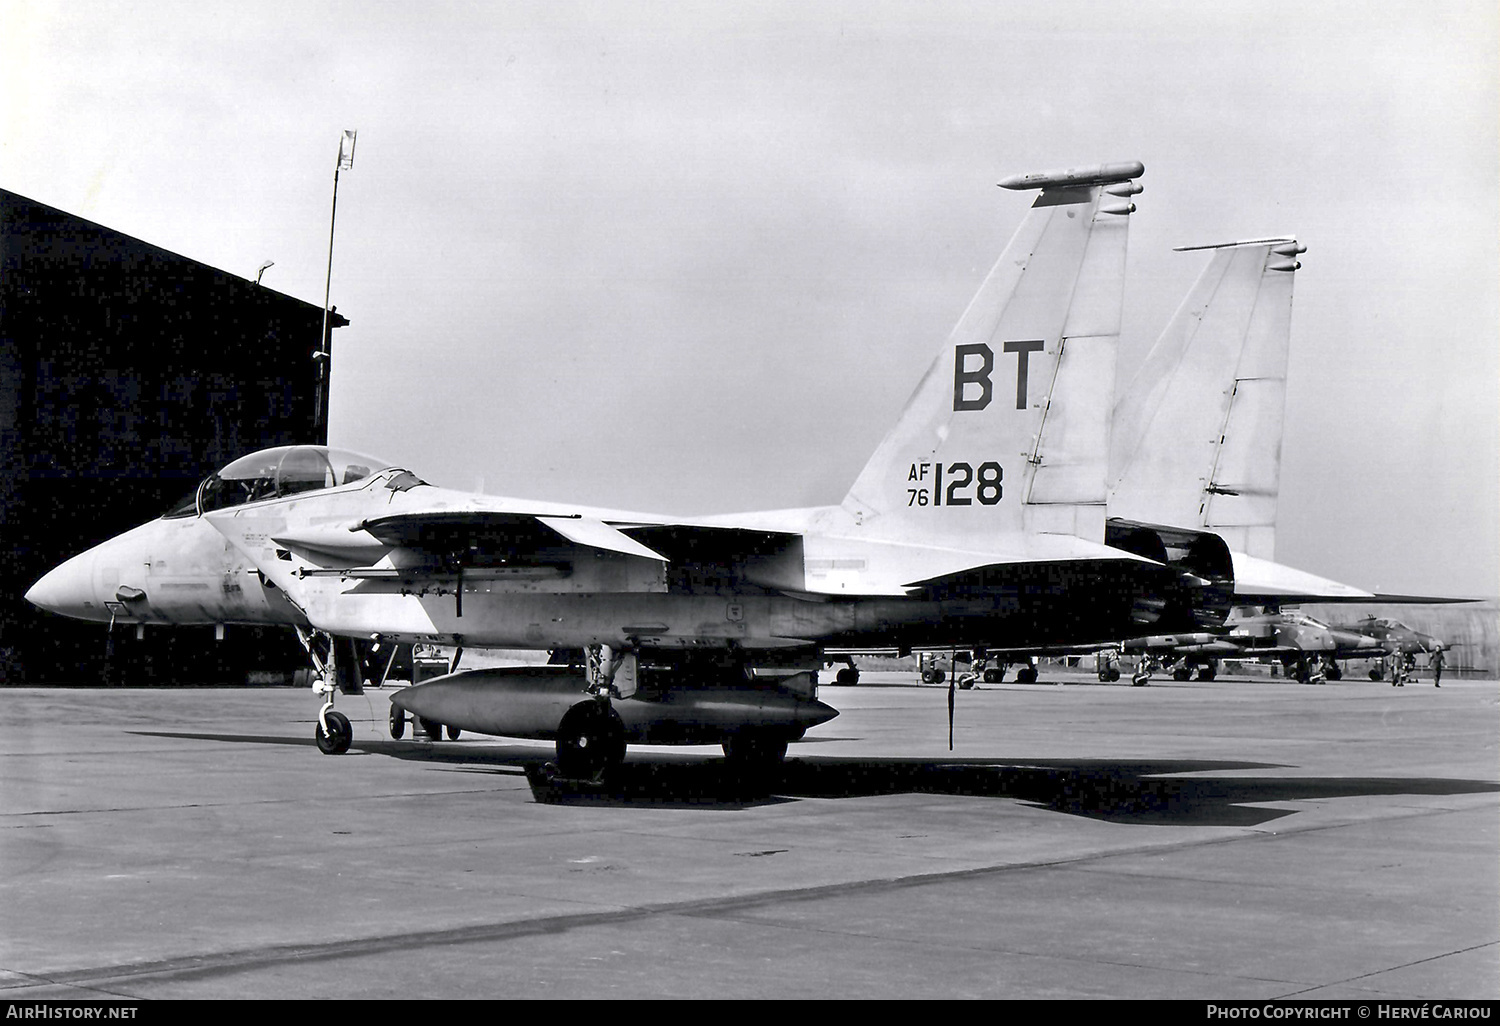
(339, 735)
(848, 676)
(994, 676)
(398, 723)
(753, 749)
(432, 728)
(590, 741)
(1026, 675)
(453, 732)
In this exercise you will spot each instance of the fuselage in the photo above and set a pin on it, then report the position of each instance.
(308, 558)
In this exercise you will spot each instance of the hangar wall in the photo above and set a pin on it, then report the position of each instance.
(127, 374)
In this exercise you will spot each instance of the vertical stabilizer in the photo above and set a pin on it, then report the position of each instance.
(1197, 434)
(1008, 430)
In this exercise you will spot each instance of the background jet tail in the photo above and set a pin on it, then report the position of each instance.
(1197, 433)
(1009, 428)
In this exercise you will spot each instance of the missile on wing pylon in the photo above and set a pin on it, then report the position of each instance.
(531, 701)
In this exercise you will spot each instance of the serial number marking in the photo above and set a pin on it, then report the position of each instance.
(961, 477)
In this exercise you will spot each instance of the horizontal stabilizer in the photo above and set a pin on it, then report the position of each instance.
(1262, 582)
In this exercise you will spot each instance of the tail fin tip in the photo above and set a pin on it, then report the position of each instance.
(1096, 174)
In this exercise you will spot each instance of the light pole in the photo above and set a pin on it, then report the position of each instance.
(323, 355)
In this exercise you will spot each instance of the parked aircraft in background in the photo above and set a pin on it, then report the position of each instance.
(978, 522)
(1307, 648)
(1400, 643)
(1395, 637)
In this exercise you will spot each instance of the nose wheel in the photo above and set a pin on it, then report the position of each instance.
(333, 733)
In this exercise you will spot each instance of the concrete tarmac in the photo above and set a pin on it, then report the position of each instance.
(1228, 840)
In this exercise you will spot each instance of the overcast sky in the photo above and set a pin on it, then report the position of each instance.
(692, 257)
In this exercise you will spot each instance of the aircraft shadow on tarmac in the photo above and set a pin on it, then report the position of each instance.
(1112, 790)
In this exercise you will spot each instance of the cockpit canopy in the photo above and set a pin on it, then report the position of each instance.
(274, 473)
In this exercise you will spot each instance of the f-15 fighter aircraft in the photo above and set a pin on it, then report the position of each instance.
(978, 522)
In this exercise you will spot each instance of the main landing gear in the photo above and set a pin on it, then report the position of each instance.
(590, 741)
(847, 677)
(1305, 671)
(591, 736)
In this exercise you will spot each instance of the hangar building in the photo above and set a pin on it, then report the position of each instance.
(127, 374)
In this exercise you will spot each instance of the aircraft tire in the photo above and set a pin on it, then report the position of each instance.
(755, 750)
(1026, 675)
(590, 741)
(453, 732)
(994, 676)
(848, 677)
(398, 723)
(339, 736)
(1182, 673)
(432, 728)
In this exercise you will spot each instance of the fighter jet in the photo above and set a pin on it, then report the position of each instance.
(1395, 637)
(1307, 648)
(1400, 643)
(978, 521)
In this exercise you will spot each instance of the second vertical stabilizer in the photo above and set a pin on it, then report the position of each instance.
(1197, 434)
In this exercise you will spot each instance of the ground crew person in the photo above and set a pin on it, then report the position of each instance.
(1436, 662)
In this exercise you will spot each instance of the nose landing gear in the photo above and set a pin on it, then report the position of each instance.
(331, 674)
(333, 732)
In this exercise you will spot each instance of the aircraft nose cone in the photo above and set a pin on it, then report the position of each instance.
(67, 589)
